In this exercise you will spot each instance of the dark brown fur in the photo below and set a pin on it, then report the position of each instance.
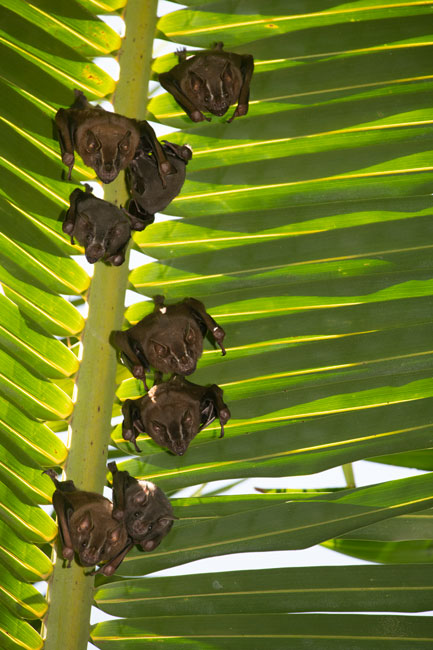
(143, 507)
(148, 195)
(102, 228)
(210, 80)
(87, 526)
(173, 413)
(170, 339)
(105, 141)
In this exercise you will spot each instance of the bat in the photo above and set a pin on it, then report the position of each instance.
(143, 507)
(105, 141)
(173, 413)
(148, 195)
(210, 80)
(102, 228)
(170, 338)
(87, 527)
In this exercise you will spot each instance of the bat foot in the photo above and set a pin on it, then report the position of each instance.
(197, 116)
(68, 227)
(117, 514)
(240, 111)
(112, 466)
(219, 334)
(68, 554)
(51, 473)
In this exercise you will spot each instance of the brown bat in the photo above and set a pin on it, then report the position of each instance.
(105, 141)
(102, 228)
(173, 413)
(143, 507)
(148, 195)
(170, 339)
(210, 80)
(87, 526)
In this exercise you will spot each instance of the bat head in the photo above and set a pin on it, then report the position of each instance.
(108, 145)
(175, 345)
(95, 536)
(217, 92)
(148, 514)
(103, 230)
(171, 416)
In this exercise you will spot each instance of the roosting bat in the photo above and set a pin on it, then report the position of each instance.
(102, 228)
(170, 338)
(105, 141)
(87, 527)
(143, 507)
(210, 80)
(148, 195)
(173, 413)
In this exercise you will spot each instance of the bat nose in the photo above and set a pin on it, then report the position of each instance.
(94, 252)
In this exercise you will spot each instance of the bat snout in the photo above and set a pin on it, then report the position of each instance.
(94, 252)
(107, 173)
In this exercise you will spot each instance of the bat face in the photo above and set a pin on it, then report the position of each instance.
(173, 413)
(107, 144)
(217, 89)
(175, 346)
(172, 417)
(148, 514)
(96, 537)
(148, 194)
(102, 240)
(99, 226)
(170, 339)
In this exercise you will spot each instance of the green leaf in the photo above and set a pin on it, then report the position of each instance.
(16, 634)
(273, 630)
(21, 599)
(339, 589)
(416, 552)
(29, 522)
(31, 440)
(23, 559)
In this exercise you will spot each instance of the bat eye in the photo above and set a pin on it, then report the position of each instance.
(137, 514)
(149, 528)
(158, 428)
(207, 98)
(124, 146)
(83, 544)
(225, 95)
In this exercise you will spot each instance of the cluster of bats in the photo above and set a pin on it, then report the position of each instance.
(172, 413)
(210, 81)
(102, 532)
(170, 340)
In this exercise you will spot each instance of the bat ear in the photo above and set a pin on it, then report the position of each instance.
(227, 74)
(167, 520)
(140, 499)
(85, 523)
(92, 143)
(196, 82)
(113, 535)
(160, 349)
(150, 545)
